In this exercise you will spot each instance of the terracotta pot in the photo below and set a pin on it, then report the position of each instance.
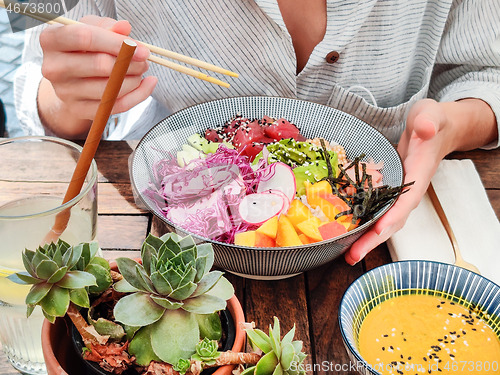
(62, 359)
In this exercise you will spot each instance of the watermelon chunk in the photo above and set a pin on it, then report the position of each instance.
(250, 139)
(282, 129)
(212, 135)
(232, 126)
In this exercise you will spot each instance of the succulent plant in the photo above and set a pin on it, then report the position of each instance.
(172, 294)
(61, 274)
(281, 356)
(182, 366)
(206, 351)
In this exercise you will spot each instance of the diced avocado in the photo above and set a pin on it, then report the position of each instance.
(202, 144)
(197, 141)
(292, 152)
(313, 172)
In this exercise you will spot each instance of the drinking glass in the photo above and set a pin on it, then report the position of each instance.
(34, 175)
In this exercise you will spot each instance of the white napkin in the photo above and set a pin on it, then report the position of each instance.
(474, 223)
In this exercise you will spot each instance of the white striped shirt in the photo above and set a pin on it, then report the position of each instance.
(392, 53)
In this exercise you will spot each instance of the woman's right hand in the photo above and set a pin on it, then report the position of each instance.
(77, 62)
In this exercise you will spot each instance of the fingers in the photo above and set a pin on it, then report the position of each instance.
(87, 108)
(86, 38)
(93, 88)
(78, 60)
(85, 65)
(136, 96)
(363, 246)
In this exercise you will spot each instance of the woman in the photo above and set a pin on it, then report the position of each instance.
(425, 72)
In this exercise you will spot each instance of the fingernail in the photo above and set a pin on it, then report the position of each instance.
(350, 260)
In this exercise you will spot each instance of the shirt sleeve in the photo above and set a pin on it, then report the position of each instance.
(468, 61)
(29, 74)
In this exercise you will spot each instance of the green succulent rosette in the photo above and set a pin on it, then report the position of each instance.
(281, 356)
(173, 298)
(61, 274)
(206, 352)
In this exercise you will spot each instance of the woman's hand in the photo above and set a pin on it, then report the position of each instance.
(77, 62)
(433, 130)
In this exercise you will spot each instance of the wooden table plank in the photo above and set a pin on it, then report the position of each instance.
(326, 286)
(122, 232)
(286, 299)
(112, 161)
(117, 198)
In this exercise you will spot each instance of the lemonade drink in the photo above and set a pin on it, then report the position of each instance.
(21, 336)
(35, 173)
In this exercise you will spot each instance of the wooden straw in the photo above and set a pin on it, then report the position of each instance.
(94, 137)
(53, 19)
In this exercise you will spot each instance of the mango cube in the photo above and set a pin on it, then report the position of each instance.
(316, 191)
(287, 236)
(305, 240)
(310, 228)
(245, 238)
(252, 238)
(269, 227)
(298, 212)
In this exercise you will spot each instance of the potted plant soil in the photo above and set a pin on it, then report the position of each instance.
(159, 315)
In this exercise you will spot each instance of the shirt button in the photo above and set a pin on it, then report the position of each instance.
(332, 57)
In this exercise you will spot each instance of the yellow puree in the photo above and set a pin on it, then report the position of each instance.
(423, 334)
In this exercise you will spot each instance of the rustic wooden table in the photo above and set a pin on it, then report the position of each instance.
(309, 300)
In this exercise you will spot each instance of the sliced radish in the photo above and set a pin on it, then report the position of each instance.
(278, 176)
(287, 202)
(260, 207)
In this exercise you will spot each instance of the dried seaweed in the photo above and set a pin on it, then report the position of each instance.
(364, 200)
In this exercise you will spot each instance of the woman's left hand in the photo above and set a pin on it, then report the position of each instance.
(427, 139)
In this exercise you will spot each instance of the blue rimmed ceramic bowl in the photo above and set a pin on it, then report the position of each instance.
(408, 277)
(314, 120)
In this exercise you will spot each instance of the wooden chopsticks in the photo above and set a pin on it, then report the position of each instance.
(51, 19)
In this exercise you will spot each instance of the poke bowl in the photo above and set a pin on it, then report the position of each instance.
(164, 157)
(413, 317)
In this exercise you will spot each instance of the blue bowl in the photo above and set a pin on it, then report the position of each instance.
(314, 120)
(423, 277)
